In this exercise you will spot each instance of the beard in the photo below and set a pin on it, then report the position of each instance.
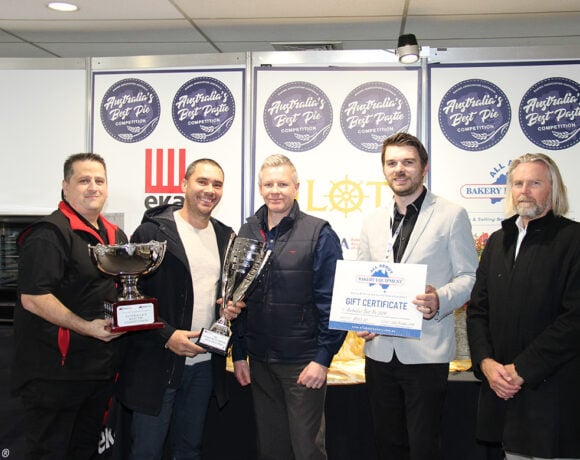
(531, 209)
(407, 189)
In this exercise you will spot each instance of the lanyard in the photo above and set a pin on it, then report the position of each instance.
(394, 237)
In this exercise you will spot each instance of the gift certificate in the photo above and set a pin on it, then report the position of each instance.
(377, 297)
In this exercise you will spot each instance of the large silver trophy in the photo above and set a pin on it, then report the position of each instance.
(131, 311)
(244, 261)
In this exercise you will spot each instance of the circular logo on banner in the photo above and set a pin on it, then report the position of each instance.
(130, 110)
(298, 116)
(371, 113)
(550, 113)
(474, 115)
(203, 109)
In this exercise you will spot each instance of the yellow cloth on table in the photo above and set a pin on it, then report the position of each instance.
(348, 365)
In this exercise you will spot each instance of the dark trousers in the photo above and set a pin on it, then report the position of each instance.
(63, 418)
(406, 402)
(289, 417)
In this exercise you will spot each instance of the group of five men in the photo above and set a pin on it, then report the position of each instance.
(523, 317)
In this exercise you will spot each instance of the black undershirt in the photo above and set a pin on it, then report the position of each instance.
(410, 216)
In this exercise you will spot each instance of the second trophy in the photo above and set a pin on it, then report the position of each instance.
(244, 261)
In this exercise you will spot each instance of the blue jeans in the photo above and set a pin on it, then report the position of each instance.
(182, 415)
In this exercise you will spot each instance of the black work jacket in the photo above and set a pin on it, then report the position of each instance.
(42, 349)
(149, 368)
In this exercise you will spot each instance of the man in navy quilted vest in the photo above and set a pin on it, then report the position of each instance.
(284, 329)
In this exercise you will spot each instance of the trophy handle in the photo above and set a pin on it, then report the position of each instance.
(217, 338)
(158, 248)
(252, 276)
(225, 269)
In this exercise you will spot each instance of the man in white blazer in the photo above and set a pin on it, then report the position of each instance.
(406, 377)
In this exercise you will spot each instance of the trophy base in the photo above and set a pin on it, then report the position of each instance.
(132, 315)
(214, 341)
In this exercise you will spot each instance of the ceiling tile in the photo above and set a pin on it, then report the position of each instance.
(238, 9)
(126, 49)
(446, 7)
(90, 10)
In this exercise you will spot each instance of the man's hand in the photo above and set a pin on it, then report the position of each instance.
(366, 335)
(231, 311)
(101, 329)
(181, 344)
(313, 375)
(242, 372)
(49, 308)
(428, 303)
(516, 379)
(501, 381)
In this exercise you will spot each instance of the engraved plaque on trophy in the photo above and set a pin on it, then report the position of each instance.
(244, 261)
(130, 311)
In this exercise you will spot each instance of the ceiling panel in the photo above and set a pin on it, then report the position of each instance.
(512, 27)
(322, 29)
(90, 10)
(105, 31)
(7, 38)
(18, 50)
(239, 9)
(126, 49)
(104, 28)
(430, 7)
(230, 47)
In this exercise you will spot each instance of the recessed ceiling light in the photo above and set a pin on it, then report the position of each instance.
(63, 7)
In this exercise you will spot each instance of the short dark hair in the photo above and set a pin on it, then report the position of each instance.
(68, 164)
(400, 139)
(191, 168)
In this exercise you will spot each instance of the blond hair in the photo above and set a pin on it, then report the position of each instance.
(559, 196)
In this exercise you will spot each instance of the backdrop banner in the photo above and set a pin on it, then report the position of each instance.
(331, 123)
(150, 125)
(484, 116)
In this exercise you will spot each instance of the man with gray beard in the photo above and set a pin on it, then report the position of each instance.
(523, 319)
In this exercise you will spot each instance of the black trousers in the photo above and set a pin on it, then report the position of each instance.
(63, 418)
(406, 402)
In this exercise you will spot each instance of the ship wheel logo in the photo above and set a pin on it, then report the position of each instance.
(346, 196)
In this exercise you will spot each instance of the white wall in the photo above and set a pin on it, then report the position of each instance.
(42, 121)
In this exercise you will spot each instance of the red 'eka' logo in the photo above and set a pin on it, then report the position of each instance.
(161, 175)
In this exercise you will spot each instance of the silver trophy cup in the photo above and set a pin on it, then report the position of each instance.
(131, 310)
(245, 260)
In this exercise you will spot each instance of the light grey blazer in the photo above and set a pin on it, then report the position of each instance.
(442, 240)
